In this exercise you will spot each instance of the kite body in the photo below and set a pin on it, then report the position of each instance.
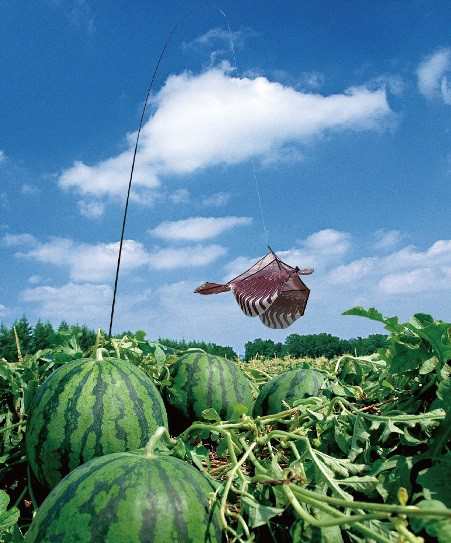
(270, 289)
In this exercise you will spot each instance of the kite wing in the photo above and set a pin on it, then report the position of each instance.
(270, 289)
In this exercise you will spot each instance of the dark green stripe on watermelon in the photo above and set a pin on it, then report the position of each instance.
(288, 387)
(126, 497)
(87, 409)
(201, 381)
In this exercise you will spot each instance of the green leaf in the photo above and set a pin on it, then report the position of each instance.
(211, 414)
(360, 437)
(159, 354)
(365, 484)
(391, 323)
(433, 526)
(8, 518)
(437, 479)
(259, 514)
(390, 428)
(429, 365)
(444, 393)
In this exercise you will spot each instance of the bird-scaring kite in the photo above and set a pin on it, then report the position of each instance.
(270, 289)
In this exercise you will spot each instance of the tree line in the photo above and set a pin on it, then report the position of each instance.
(43, 336)
(314, 345)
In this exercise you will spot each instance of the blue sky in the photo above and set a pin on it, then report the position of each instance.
(341, 109)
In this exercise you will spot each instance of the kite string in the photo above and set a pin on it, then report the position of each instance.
(254, 173)
(124, 220)
(260, 203)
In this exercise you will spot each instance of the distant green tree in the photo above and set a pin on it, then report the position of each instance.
(63, 327)
(262, 347)
(87, 338)
(43, 336)
(315, 345)
(211, 348)
(367, 345)
(7, 344)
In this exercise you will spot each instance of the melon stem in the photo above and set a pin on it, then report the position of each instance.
(160, 432)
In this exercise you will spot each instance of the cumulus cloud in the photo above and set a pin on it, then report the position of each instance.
(180, 196)
(432, 75)
(72, 301)
(16, 240)
(320, 251)
(197, 228)
(91, 209)
(328, 241)
(216, 118)
(402, 282)
(2, 156)
(387, 239)
(404, 271)
(88, 262)
(35, 279)
(185, 257)
(218, 199)
(95, 263)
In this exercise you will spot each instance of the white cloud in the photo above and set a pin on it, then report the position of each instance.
(87, 262)
(95, 263)
(215, 118)
(328, 241)
(3, 310)
(217, 36)
(185, 257)
(284, 155)
(73, 302)
(218, 199)
(109, 177)
(180, 196)
(432, 78)
(387, 282)
(16, 240)
(412, 282)
(29, 190)
(197, 228)
(312, 80)
(320, 251)
(387, 239)
(393, 82)
(91, 209)
(35, 279)
(400, 272)
(2, 156)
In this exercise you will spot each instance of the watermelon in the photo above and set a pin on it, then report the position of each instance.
(126, 497)
(288, 387)
(201, 381)
(89, 408)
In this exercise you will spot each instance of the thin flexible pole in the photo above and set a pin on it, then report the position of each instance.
(124, 221)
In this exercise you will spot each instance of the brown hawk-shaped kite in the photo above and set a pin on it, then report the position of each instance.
(270, 289)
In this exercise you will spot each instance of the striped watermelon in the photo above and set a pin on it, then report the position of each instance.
(201, 381)
(89, 408)
(128, 498)
(288, 387)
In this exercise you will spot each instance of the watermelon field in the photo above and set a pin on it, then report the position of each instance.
(135, 441)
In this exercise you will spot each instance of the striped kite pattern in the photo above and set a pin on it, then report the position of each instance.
(270, 289)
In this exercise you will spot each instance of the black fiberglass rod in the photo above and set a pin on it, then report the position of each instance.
(141, 122)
